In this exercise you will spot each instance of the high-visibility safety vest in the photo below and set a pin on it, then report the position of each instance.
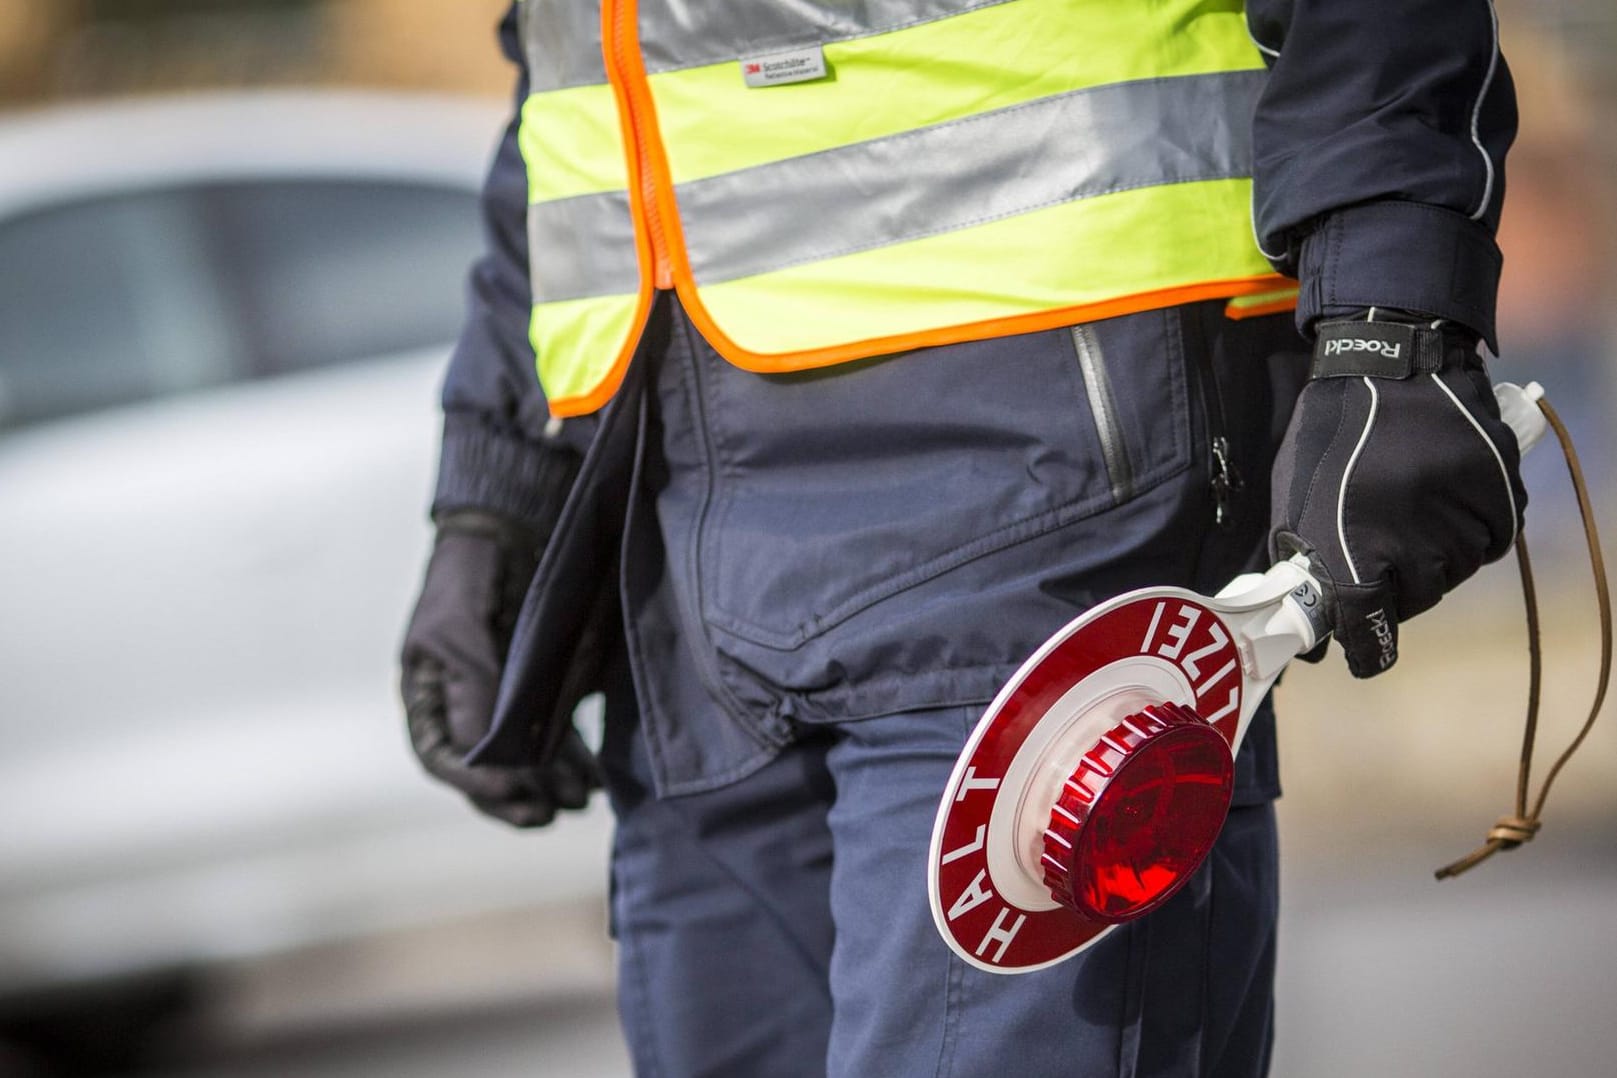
(826, 180)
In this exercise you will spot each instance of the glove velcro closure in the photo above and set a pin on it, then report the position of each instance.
(1353, 349)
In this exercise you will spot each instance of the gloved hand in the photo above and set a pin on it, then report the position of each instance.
(1396, 477)
(454, 652)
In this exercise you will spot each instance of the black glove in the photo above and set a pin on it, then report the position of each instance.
(454, 652)
(1396, 478)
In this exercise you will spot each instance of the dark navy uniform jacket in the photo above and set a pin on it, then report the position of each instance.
(1378, 167)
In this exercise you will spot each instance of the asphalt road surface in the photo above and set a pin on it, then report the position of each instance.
(1505, 973)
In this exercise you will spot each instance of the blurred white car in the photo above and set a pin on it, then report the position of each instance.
(223, 320)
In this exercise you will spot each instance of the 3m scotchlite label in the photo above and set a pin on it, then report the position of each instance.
(782, 68)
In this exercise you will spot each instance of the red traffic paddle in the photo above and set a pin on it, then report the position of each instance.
(1099, 778)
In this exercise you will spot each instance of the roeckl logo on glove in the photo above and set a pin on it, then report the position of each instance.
(1352, 349)
(1363, 344)
(1383, 632)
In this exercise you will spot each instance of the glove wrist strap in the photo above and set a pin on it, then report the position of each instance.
(1352, 349)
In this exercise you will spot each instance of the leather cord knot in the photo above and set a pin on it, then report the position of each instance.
(1512, 831)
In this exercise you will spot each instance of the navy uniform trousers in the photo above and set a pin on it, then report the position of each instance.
(826, 576)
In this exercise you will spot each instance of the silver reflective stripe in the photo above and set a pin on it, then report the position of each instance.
(580, 247)
(986, 167)
(688, 33)
(563, 37)
(920, 183)
(1103, 406)
(562, 42)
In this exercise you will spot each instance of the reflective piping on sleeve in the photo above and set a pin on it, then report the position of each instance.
(1476, 118)
(970, 172)
(1257, 240)
(1347, 474)
(1273, 54)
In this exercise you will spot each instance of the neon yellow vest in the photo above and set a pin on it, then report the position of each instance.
(944, 170)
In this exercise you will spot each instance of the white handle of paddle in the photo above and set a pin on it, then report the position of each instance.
(1518, 407)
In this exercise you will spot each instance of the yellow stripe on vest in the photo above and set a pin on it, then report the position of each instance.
(571, 143)
(566, 332)
(1130, 244)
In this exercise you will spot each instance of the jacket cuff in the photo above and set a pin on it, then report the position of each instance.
(502, 472)
(1407, 255)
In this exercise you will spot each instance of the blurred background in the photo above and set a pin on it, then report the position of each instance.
(218, 361)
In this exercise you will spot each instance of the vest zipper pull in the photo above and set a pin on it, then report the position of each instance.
(1226, 481)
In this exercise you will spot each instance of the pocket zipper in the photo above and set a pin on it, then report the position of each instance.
(1225, 478)
(1226, 481)
(1103, 407)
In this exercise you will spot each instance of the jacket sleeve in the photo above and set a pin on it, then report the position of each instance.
(1378, 154)
(496, 454)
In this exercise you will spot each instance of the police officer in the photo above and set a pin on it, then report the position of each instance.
(825, 358)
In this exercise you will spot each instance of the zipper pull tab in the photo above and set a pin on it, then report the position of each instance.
(1226, 481)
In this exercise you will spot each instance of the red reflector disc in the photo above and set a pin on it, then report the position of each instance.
(1138, 815)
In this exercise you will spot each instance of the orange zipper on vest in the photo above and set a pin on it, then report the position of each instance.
(626, 69)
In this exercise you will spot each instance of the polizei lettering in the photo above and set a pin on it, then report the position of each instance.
(1202, 651)
(1341, 345)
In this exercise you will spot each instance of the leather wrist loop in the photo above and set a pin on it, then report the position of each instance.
(1352, 349)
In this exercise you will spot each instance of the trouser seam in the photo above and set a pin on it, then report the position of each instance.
(644, 1031)
(954, 977)
(1132, 1016)
(1207, 960)
(746, 886)
(953, 988)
